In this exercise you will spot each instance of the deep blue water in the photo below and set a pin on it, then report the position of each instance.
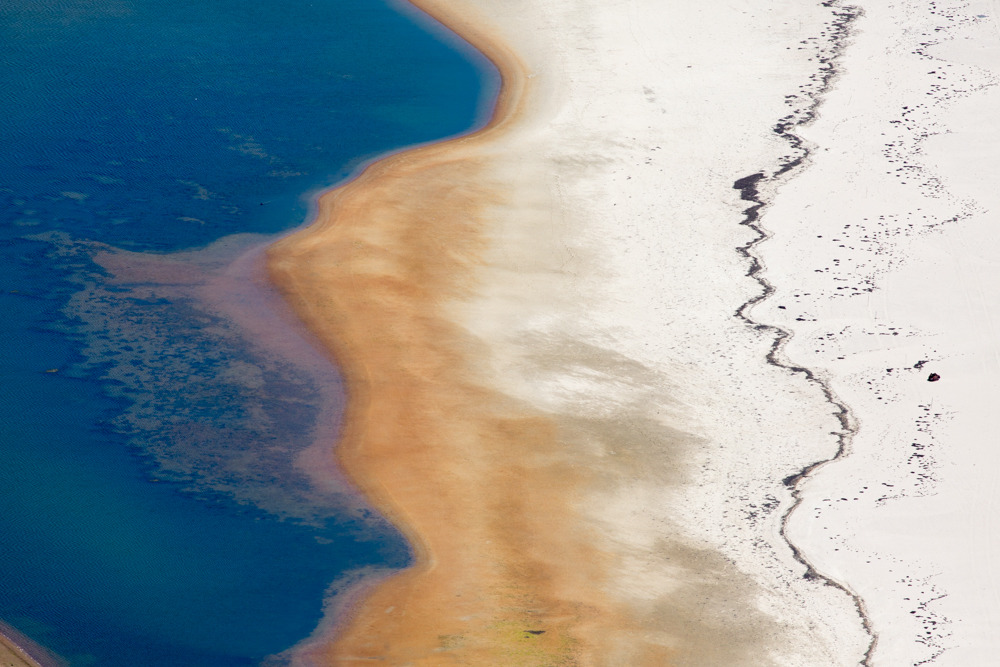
(150, 510)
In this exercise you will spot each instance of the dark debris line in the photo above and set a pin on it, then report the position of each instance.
(838, 33)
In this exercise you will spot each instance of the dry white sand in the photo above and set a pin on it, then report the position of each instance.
(886, 260)
(616, 296)
(610, 299)
(885, 257)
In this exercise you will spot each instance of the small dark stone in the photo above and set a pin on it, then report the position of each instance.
(535, 632)
(933, 377)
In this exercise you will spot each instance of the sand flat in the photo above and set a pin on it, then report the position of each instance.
(16, 650)
(893, 279)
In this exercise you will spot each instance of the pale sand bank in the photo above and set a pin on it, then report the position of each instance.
(551, 392)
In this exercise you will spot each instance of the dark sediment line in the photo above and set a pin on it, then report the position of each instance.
(749, 186)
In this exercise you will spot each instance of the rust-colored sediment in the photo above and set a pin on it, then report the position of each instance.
(505, 574)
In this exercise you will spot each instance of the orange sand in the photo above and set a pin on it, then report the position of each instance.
(11, 657)
(481, 487)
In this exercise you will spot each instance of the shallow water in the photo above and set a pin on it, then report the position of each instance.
(160, 424)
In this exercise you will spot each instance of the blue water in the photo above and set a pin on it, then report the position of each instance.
(149, 510)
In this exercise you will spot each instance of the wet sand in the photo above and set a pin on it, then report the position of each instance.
(16, 650)
(11, 655)
(550, 391)
(479, 483)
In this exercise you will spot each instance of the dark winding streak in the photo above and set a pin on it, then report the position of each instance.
(844, 18)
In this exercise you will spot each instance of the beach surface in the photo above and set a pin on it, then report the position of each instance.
(16, 650)
(884, 254)
(641, 368)
(12, 656)
(550, 389)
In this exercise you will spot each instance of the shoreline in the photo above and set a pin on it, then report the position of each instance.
(523, 392)
(12, 655)
(628, 404)
(386, 392)
(17, 650)
(893, 301)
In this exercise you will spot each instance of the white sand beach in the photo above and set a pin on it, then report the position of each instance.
(569, 392)
(884, 254)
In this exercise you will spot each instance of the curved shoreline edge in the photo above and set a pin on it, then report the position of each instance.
(367, 454)
(22, 651)
(890, 294)
(539, 397)
(439, 453)
(750, 188)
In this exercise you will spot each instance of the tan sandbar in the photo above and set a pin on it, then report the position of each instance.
(12, 655)
(477, 484)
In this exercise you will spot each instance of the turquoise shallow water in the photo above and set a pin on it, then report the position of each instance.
(151, 511)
